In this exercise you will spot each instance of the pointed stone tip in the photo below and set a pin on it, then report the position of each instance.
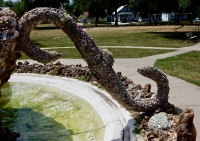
(51, 57)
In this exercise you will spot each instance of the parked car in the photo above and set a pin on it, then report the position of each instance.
(197, 19)
(84, 20)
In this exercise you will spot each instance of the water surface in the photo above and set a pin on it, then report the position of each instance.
(46, 113)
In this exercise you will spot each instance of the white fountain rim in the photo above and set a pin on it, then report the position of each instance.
(119, 124)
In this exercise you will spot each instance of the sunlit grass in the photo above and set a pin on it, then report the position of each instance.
(117, 52)
(185, 66)
(116, 36)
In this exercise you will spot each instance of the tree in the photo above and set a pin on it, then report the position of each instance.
(96, 9)
(1, 2)
(184, 4)
(192, 6)
(78, 7)
(9, 3)
(139, 6)
(153, 6)
(18, 9)
(30, 4)
(113, 5)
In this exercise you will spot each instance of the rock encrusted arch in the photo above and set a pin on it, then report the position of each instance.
(8, 54)
(99, 61)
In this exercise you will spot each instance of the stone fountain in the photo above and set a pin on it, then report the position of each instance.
(15, 39)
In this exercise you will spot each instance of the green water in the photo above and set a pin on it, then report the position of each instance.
(46, 113)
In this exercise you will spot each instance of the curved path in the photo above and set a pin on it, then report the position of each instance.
(182, 94)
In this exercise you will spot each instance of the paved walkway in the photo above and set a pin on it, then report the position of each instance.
(182, 94)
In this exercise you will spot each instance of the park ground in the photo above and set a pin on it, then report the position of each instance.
(169, 49)
(131, 42)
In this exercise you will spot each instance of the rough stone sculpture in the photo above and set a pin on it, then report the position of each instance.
(99, 61)
(182, 128)
(15, 38)
(185, 126)
(8, 34)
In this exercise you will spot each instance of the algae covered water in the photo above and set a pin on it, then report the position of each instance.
(46, 113)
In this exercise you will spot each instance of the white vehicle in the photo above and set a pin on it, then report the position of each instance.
(197, 19)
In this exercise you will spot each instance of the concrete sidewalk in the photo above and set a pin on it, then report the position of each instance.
(182, 94)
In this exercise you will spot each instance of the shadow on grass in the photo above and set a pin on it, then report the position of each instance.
(38, 44)
(45, 28)
(173, 35)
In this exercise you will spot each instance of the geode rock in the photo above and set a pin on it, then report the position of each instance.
(159, 121)
(182, 129)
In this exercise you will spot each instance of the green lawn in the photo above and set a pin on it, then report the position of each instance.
(117, 52)
(153, 36)
(185, 66)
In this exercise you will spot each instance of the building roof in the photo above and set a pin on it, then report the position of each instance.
(81, 16)
(120, 8)
(4, 7)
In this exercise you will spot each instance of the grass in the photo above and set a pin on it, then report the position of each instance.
(100, 86)
(138, 37)
(50, 38)
(138, 120)
(155, 36)
(185, 66)
(136, 131)
(117, 52)
(82, 78)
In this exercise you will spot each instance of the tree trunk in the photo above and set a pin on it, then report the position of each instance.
(156, 19)
(116, 20)
(97, 19)
(178, 19)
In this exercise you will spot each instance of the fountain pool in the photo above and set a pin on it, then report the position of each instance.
(42, 107)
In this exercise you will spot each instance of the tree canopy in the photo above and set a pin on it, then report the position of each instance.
(192, 6)
(113, 5)
(96, 8)
(158, 6)
(30, 4)
(1, 2)
(153, 6)
(8, 3)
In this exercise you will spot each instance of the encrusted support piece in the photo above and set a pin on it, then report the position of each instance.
(8, 34)
(99, 61)
(161, 80)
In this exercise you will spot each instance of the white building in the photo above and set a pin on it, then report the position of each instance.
(166, 16)
(125, 14)
(1, 8)
(174, 16)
